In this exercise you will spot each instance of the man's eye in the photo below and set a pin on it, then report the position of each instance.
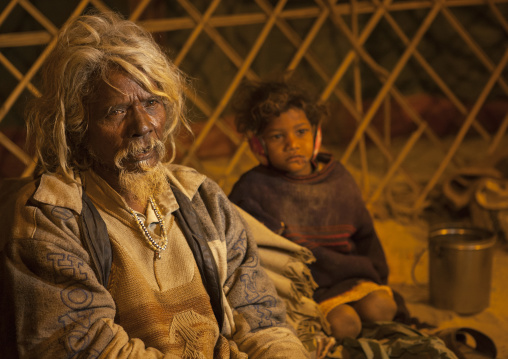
(151, 102)
(116, 112)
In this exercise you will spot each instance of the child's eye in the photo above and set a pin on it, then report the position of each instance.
(303, 131)
(277, 136)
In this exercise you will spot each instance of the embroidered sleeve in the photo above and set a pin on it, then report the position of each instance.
(57, 307)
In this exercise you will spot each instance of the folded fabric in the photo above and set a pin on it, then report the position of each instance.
(460, 187)
(285, 286)
(285, 263)
(492, 193)
(292, 268)
(266, 238)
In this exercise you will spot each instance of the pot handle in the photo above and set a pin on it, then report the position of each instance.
(418, 257)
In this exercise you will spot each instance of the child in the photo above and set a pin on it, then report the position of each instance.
(312, 200)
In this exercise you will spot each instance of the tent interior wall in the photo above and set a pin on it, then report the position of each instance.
(406, 82)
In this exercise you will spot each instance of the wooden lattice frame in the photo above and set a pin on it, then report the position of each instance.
(277, 17)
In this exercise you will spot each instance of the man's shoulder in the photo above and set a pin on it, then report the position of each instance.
(181, 169)
(19, 197)
(52, 189)
(57, 190)
(186, 179)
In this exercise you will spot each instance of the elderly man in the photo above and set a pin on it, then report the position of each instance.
(110, 253)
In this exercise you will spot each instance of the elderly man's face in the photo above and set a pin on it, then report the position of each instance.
(124, 119)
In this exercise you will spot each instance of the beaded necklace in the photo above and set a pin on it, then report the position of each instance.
(160, 246)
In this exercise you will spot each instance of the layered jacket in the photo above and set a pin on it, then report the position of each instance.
(60, 299)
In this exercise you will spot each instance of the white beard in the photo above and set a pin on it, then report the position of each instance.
(146, 181)
(144, 185)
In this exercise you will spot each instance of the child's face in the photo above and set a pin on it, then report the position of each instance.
(289, 142)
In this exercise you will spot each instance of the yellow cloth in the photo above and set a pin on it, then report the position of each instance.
(352, 295)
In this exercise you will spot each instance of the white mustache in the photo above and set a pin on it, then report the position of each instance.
(136, 148)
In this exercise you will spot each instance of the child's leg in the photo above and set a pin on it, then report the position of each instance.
(377, 306)
(344, 322)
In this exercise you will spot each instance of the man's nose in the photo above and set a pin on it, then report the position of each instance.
(140, 122)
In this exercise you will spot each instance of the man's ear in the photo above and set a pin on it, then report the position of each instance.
(257, 147)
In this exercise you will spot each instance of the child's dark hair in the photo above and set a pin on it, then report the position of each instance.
(256, 103)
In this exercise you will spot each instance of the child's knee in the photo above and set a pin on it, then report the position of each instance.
(378, 306)
(344, 322)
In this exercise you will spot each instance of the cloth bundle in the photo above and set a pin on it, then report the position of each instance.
(285, 263)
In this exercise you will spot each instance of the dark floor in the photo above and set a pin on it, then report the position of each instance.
(403, 243)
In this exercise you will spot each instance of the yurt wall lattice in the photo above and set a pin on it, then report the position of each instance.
(394, 74)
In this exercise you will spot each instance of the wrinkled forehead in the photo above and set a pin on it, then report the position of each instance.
(116, 85)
